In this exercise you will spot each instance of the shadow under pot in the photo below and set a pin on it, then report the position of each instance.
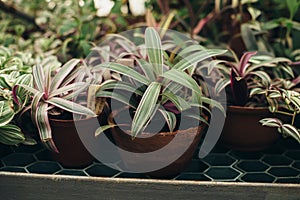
(72, 152)
(159, 155)
(242, 130)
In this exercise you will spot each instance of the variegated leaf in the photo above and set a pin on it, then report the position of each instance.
(70, 106)
(61, 75)
(11, 135)
(154, 50)
(146, 108)
(124, 70)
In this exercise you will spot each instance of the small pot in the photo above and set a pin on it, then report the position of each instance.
(242, 130)
(72, 153)
(150, 142)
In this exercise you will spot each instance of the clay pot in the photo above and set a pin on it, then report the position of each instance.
(72, 153)
(242, 130)
(150, 142)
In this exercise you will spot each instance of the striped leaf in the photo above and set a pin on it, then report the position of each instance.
(154, 50)
(183, 79)
(68, 88)
(116, 96)
(180, 103)
(147, 69)
(221, 85)
(290, 130)
(70, 106)
(38, 77)
(64, 71)
(124, 70)
(112, 85)
(170, 118)
(6, 113)
(271, 122)
(146, 108)
(197, 57)
(11, 135)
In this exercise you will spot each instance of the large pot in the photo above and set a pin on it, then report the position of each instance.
(72, 153)
(242, 130)
(149, 142)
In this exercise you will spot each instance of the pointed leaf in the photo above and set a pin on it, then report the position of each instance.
(146, 108)
(64, 71)
(70, 106)
(154, 50)
(11, 135)
(124, 70)
(183, 79)
(197, 57)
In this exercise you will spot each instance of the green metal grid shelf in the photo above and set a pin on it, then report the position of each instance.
(279, 164)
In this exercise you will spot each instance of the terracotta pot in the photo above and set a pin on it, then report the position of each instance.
(242, 130)
(72, 153)
(150, 142)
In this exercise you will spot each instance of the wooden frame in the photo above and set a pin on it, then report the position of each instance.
(61, 187)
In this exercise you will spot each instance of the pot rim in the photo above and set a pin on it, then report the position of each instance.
(243, 109)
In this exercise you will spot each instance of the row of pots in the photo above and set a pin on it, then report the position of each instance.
(242, 131)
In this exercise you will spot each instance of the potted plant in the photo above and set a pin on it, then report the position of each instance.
(157, 95)
(13, 71)
(244, 82)
(51, 111)
(284, 98)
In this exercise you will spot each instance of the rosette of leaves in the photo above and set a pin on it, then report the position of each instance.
(244, 79)
(157, 84)
(53, 95)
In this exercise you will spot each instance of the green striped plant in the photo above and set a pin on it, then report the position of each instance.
(15, 68)
(51, 94)
(284, 99)
(160, 82)
(12, 102)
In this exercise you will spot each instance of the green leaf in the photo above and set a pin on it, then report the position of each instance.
(68, 88)
(179, 102)
(271, 122)
(6, 113)
(290, 130)
(154, 50)
(147, 69)
(170, 118)
(124, 70)
(213, 103)
(70, 106)
(293, 6)
(265, 78)
(61, 75)
(221, 85)
(112, 85)
(146, 108)
(183, 79)
(39, 77)
(196, 58)
(116, 96)
(11, 135)
(103, 128)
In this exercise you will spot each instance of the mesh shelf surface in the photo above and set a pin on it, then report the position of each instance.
(279, 164)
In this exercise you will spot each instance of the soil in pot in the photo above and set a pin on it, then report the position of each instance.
(242, 130)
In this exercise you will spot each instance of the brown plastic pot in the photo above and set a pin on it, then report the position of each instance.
(72, 153)
(146, 143)
(242, 130)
